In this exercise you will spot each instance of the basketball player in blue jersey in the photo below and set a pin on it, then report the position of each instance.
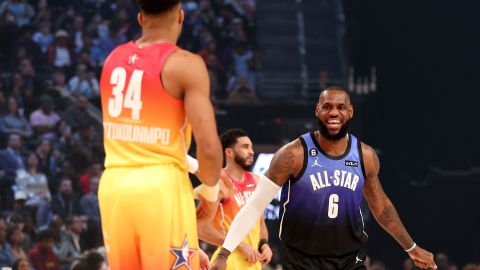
(324, 174)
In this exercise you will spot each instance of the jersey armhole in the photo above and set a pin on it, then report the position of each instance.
(360, 153)
(305, 160)
(161, 64)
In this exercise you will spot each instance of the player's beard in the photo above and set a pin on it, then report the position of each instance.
(243, 163)
(322, 127)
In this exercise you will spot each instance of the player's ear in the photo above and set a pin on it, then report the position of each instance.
(140, 18)
(351, 111)
(317, 108)
(228, 152)
(181, 16)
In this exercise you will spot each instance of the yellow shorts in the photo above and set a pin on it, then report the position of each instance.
(148, 218)
(236, 261)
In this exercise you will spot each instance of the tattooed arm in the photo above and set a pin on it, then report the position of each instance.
(286, 162)
(385, 213)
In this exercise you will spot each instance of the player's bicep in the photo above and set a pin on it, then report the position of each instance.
(372, 188)
(198, 106)
(286, 163)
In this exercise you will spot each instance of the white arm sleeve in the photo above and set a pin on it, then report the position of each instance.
(250, 213)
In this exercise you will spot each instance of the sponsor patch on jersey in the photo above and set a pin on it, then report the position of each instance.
(350, 163)
(313, 152)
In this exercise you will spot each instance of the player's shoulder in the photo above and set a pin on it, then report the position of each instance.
(367, 150)
(183, 57)
(294, 147)
(370, 158)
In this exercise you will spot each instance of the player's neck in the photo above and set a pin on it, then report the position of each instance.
(332, 147)
(152, 35)
(235, 172)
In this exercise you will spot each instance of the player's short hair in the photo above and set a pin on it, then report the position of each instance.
(335, 88)
(229, 137)
(156, 7)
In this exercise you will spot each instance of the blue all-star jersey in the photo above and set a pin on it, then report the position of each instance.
(320, 213)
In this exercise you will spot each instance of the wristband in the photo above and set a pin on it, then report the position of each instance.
(261, 243)
(209, 193)
(411, 248)
(192, 164)
(224, 255)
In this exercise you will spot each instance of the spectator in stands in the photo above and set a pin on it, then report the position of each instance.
(78, 114)
(89, 201)
(35, 184)
(60, 52)
(43, 13)
(114, 38)
(241, 93)
(27, 71)
(89, 205)
(84, 83)
(11, 160)
(32, 48)
(77, 33)
(241, 56)
(22, 264)
(94, 170)
(71, 243)
(66, 202)
(41, 255)
(15, 238)
(6, 253)
(18, 221)
(59, 82)
(49, 161)
(442, 261)
(90, 260)
(44, 120)
(90, 46)
(21, 9)
(14, 121)
(43, 37)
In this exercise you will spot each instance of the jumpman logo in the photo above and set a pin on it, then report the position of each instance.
(357, 260)
(315, 163)
(132, 59)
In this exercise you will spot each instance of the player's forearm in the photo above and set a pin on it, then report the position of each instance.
(388, 218)
(263, 230)
(210, 235)
(210, 164)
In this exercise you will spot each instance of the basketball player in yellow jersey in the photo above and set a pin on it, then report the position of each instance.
(236, 186)
(150, 90)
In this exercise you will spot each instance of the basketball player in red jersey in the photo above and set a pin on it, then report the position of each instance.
(151, 91)
(236, 186)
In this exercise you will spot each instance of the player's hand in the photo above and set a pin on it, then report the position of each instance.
(204, 261)
(220, 263)
(422, 258)
(266, 254)
(249, 252)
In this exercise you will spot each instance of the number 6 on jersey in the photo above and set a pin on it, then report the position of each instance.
(333, 206)
(133, 96)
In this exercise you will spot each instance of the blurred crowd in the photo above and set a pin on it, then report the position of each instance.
(51, 156)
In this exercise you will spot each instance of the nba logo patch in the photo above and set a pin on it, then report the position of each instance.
(313, 152)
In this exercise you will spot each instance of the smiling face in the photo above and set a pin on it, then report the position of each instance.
(334, 113)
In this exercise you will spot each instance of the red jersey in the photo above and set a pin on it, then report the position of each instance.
(143, 124)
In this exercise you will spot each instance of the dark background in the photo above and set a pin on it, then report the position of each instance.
(424, 115)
